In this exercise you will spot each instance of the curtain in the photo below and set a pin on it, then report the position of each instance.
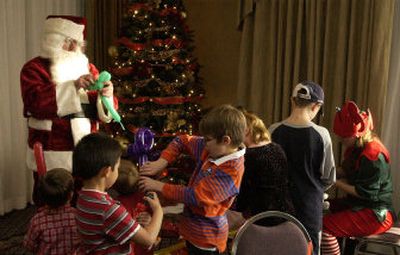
(21, 30)
(391, 120)
(344, 45)
(104, 20)
(269, 48)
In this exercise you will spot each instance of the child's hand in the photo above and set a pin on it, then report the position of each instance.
(153, 201)
(151, 168)
(144, 218)
(148, 184)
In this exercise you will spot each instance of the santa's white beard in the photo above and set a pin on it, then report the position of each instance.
(68, 65)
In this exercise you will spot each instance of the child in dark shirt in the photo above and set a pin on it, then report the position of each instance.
(308, 148)
(265, 183)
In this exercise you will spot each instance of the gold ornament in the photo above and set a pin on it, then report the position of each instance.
(171, 123)
(113, 51)
(181, 122)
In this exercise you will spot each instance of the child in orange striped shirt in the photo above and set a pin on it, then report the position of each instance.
(215, 181)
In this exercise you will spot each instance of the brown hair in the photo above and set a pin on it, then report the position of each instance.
(55, 187)
(93, 153)
(224, 120)
(257, 129)
(302, 103)
(128, 176)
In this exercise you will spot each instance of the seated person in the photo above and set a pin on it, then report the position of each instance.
(364, 177)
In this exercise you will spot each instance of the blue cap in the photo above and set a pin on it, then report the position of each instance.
(310, 91)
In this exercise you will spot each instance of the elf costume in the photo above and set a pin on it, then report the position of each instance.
(367, 169)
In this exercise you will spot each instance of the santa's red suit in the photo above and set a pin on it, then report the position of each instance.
(58, 114)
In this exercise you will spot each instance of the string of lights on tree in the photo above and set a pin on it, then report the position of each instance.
(155, 75)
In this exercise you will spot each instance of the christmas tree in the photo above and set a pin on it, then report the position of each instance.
(154, 72)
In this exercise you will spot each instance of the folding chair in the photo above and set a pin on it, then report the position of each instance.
(390, 240)
(287, 238)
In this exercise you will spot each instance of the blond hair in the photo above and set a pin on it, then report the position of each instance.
(366, 138)
(128, 176)
(258, 131)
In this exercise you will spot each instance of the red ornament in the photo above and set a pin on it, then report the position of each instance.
(131, 45)
(122, 71)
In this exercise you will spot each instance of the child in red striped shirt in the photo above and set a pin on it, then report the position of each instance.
(105, 226)
(215, 181)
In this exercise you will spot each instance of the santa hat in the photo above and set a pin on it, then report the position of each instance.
(68, 26)
(351, 122)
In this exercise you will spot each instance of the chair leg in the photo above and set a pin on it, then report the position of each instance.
(343, 248)
(347, 245)
(359, 245)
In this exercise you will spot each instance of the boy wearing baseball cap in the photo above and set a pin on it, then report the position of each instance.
(308, 148)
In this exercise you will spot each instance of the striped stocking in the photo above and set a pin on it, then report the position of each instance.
(329, 245)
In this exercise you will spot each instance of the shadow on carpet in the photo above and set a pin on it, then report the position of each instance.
(13, 227)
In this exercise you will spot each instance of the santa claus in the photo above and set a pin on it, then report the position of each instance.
(59, 108)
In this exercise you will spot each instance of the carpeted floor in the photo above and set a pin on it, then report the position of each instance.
(13, 226)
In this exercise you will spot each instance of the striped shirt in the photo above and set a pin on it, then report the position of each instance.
(103, 224)
(210, 192)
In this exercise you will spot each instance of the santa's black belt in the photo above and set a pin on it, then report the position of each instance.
(88, 111)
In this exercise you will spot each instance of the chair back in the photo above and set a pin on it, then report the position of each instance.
(287, 238)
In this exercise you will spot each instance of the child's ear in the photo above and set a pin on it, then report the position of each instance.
(70, 195)
(315, 107)
(247, 131)
(106, 171)
(226, 139)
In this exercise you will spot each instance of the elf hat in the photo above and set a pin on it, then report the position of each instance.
(68, 26)
(351, 122)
